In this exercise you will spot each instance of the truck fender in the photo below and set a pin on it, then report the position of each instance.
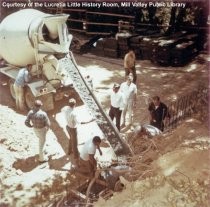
(47, 99)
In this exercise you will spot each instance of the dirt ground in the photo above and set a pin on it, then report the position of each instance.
(173, 172)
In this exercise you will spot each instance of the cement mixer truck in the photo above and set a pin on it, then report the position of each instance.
(32, 37)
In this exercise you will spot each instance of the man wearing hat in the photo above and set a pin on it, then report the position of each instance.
(22, 78)
(40, 122)
(116, 108)
(71, 127)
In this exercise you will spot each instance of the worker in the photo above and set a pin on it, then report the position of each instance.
(40, 122)
(116, 98)
(129, 91)
(22, 78)
(71, 127)
(129, 64)
(146, 130)
(158, 113)
(87, 163)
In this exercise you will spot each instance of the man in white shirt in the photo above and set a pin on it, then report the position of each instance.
(129, 91)
(88, 163)
(116, 108)
(71, 127)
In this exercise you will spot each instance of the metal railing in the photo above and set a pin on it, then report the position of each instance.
(186, 106)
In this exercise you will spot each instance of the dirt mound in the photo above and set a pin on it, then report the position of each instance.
(178, 172)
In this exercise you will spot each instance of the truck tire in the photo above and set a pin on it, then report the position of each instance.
(11, 88)
(29, 98)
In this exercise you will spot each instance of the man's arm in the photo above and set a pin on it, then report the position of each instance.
(135, 96)
(27, 76)
(151, 110)
(93, 161)
(28, 120)
(47, 121)
(99, 149)
(86, 122)
(122, 101)
(125, 61)
(77, 121)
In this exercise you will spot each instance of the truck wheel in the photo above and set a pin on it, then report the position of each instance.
(29, 98)
(11, 88)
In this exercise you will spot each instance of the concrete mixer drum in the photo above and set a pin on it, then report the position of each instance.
(29, 31)
(39, 39)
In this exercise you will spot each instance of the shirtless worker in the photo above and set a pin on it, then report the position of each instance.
(129, 64)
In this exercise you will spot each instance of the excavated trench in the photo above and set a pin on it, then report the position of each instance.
(135, 152)
(89, 193)
(146, 150)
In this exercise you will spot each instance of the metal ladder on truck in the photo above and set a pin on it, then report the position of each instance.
(106, 125)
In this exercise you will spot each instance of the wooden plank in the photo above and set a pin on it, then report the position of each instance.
(111, 14)
(74, 10)
(101, 23)
(76, 30)
(101, 182)
(78, 194)
(75, 20)
(98, 33)
(68, 9)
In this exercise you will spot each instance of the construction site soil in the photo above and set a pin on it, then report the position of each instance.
(170, 170)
